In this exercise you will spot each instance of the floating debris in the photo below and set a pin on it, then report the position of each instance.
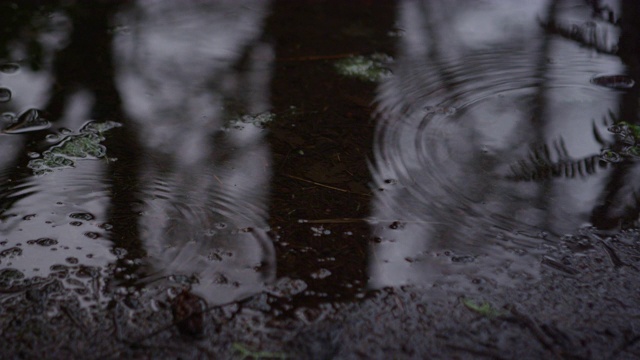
(260, 121)
(84, 145)
(320, 274)
(610, 156)
(368, 68)
(9, 68)
(5, 95)
(28, 121)
(620, 82)
(626, 130)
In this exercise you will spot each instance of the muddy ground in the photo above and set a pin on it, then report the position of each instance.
(585, 306)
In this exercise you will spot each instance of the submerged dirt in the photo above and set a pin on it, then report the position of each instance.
(574, 295)
(584, 307)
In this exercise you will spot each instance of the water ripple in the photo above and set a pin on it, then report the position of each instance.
(209, 228)
(449, 133)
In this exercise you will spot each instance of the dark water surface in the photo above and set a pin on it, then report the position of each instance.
(310, 152)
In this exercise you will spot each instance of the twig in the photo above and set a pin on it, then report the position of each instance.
(536, 331)
(555, 264)
(325, 186)
(615, 259)
(336, 221)
(367, 220)
(316, 57)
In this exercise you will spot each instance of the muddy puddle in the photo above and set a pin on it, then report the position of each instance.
(319, 179)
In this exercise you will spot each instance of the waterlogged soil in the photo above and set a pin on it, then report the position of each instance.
(319, 180)
(583, 307)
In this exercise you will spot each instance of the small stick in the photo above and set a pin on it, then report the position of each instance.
(325, 186)
(336, 221)
(316, 57)
(355, 220)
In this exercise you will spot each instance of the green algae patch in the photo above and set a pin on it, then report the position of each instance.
(86, 144)
(629, 136)
(628, 128)
(367, 68)
(484, 309)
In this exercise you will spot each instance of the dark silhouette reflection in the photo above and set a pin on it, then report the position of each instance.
(620, 204)
(327, 141)
(194, 78)
(59, 220)
(186, 173)
(485, 146)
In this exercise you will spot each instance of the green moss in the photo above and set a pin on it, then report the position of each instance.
(633, 151)
(83, 145)
(633, 129)
(368, 68)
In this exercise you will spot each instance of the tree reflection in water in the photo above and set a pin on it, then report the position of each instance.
(204, 176)
(185, 182)
(483, 94)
